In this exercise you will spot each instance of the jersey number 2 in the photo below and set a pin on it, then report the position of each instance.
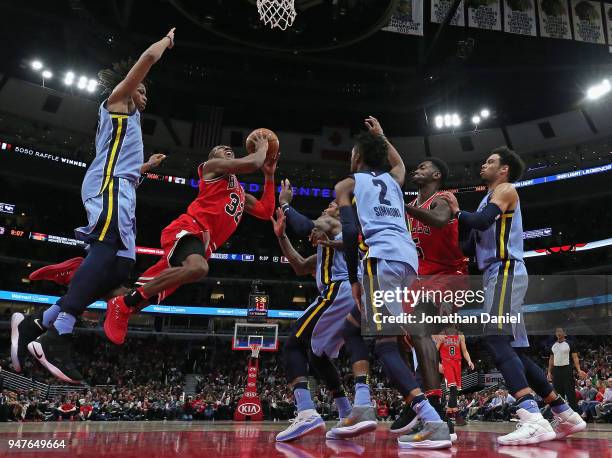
(383, 192)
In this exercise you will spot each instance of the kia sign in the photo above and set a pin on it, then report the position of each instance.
(249, 409)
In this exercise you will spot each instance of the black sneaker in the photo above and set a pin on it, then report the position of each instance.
(54, 351)
(405, 422)
(24, 329)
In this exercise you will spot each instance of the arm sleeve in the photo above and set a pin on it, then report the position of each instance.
(300, 224)
(350, 235)
(480, 220)
(264, 207)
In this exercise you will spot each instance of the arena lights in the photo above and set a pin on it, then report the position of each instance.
(599, 90)
(83, 83)
(476, 120)
(69, 78)
(447, 120)
(485, 113)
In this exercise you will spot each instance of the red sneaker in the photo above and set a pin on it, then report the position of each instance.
(116, 321)
(58, 273)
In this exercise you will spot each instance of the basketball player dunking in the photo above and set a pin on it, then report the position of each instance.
(316, 337)
(435, 234)
(391, 262)
(498, 236)
(189, 240)
(109, 197)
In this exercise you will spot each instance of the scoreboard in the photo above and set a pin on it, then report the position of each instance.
(258, 306)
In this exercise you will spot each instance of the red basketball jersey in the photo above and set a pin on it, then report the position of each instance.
(438, 248)
(450, 348)
(218, 207)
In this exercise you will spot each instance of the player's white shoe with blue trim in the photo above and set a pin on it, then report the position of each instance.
(305, 422)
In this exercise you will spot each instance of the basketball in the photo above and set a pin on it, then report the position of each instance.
(272, 143)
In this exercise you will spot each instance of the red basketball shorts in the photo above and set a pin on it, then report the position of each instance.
(181, 227)
(452, 372)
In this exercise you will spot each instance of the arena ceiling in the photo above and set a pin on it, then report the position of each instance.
(332, 67)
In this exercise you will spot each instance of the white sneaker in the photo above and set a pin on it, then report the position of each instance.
(305, 422)
(532, 428)
(566, 423)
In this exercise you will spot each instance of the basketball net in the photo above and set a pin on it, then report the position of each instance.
(255, 348)
(277, 13)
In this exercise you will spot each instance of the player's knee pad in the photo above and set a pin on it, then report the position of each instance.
(354, 343)
(428, 358)
(326, 371)
(535, 376)
(394, 366)
(296, 360)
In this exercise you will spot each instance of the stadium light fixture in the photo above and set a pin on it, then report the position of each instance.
(599, 90)
(456, 119)
(69, 79)
(91, 85)
(439, 122)
(46, 74)
(37, 65)
(82, 84)
(448, 120)
(476, 119)
(485, 113)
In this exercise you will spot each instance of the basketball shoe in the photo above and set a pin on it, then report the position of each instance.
(54, 352)
(566, 423)
(361, 420)
(418, 427)
(24, 329)
(116, 321)
(305, 422)
(434, 435)
(532, 428)
(58, 273)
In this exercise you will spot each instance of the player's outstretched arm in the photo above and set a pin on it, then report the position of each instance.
(398, 169)
(263, 208)
(300, 265)
(480, 220)
(438, 216)
(247, 164)
(139, 71)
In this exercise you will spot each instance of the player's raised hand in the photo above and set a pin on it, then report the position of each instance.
(261, 143)
(373, 125)
(269, 166)
(286, 194)
(279, 224)
(450, 198)
(156, 159)
(171, 36)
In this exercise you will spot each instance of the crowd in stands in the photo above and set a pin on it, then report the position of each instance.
(144, 380)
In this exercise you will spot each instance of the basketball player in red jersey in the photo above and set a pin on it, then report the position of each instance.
(190, 239)
(452, 345)
(435, 234)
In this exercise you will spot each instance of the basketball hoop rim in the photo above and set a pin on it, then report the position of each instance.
(255, 349)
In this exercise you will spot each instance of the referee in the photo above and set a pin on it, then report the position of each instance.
(560, 370)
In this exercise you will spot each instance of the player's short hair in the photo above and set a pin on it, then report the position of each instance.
(109, 78)
(214, 149)
(514, 162)
(441, 166)
(372, 148)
